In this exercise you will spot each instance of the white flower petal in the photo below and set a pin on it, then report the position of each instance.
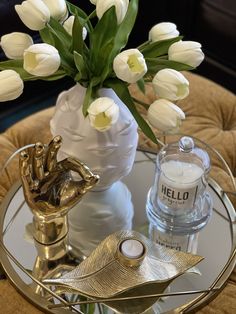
(188, 52)
(130, 65)
(164, 30)
(41, 60)
(170, 84)
(165, 115)
(57, 8)
(33, 13)
(11, 85)
(103, 113)
(121, 7)
(14, 44)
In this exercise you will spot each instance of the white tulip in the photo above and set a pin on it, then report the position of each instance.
(14, 44)
(130, 65)
(93, 1)
(11, 85)
(121, 8)
(165, 116)
(57, 8)
(188, 52)
(33, 13)
(103, 113)
(170, 84)
(68, 25)
(41, 60)
(164, 30)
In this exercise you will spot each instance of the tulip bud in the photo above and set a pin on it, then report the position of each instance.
(57, 8)
(41, 60)
(130, 65)
(164, 30)
(170, 84)
(165, 116)
(11, 85)
(121, 8)
(103, 113)
(14, 44)
(188, 52)
(33, 13)
(68, 25)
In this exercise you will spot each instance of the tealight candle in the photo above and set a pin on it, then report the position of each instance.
(179, 183)
(132, 248)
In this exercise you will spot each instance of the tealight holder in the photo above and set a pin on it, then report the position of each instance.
(178, 201)
(126, 266)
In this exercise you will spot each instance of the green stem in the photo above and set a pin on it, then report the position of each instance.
(163, 57)
(145, 105)
(143, 45)
(91, 15)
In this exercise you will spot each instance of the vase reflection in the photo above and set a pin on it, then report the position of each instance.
(99, 214)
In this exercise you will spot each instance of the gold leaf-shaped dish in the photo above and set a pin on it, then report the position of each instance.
(104, 275)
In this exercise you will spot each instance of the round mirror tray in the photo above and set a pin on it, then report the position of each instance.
(215, 242)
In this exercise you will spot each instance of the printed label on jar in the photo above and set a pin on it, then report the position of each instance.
(179, 243)
(184, 243)
(177, 198)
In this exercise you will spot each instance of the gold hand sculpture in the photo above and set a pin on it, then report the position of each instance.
(49, 189)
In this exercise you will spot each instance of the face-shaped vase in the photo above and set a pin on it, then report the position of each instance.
(111, 153)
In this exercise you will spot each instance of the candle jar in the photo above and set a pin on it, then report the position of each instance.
(178, 202)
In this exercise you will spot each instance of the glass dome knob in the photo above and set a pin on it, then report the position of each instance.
(186, 144)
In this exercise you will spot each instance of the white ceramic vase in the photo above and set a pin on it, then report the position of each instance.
(109, 154)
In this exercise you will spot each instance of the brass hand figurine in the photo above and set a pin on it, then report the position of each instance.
(50, 190)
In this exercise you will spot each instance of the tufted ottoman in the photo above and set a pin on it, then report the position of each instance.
(210, 116)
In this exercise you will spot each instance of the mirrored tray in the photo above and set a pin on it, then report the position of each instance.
(216, 243)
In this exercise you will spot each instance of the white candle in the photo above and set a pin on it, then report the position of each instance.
(179, 183)
(181, 173)
(132, 248)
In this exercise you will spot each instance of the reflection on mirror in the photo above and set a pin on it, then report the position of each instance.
(215, 248)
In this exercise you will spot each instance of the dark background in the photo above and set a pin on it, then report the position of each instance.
(211, 22)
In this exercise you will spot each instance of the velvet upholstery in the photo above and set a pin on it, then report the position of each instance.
(211, 116)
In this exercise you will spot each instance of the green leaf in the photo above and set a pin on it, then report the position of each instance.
(126, 27)
(143, 45)
(62, 42)
(121, 90)
(77, 35)
(60, 32)
(141, 85)
(17, 65)
(46, 36)
(87, 98)
(102, 41)
(74, 10)
(158, 48)
(9, 64)
(53, 77)
(80, 65)
(154, 65)
(67, 58)
(122, 36)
